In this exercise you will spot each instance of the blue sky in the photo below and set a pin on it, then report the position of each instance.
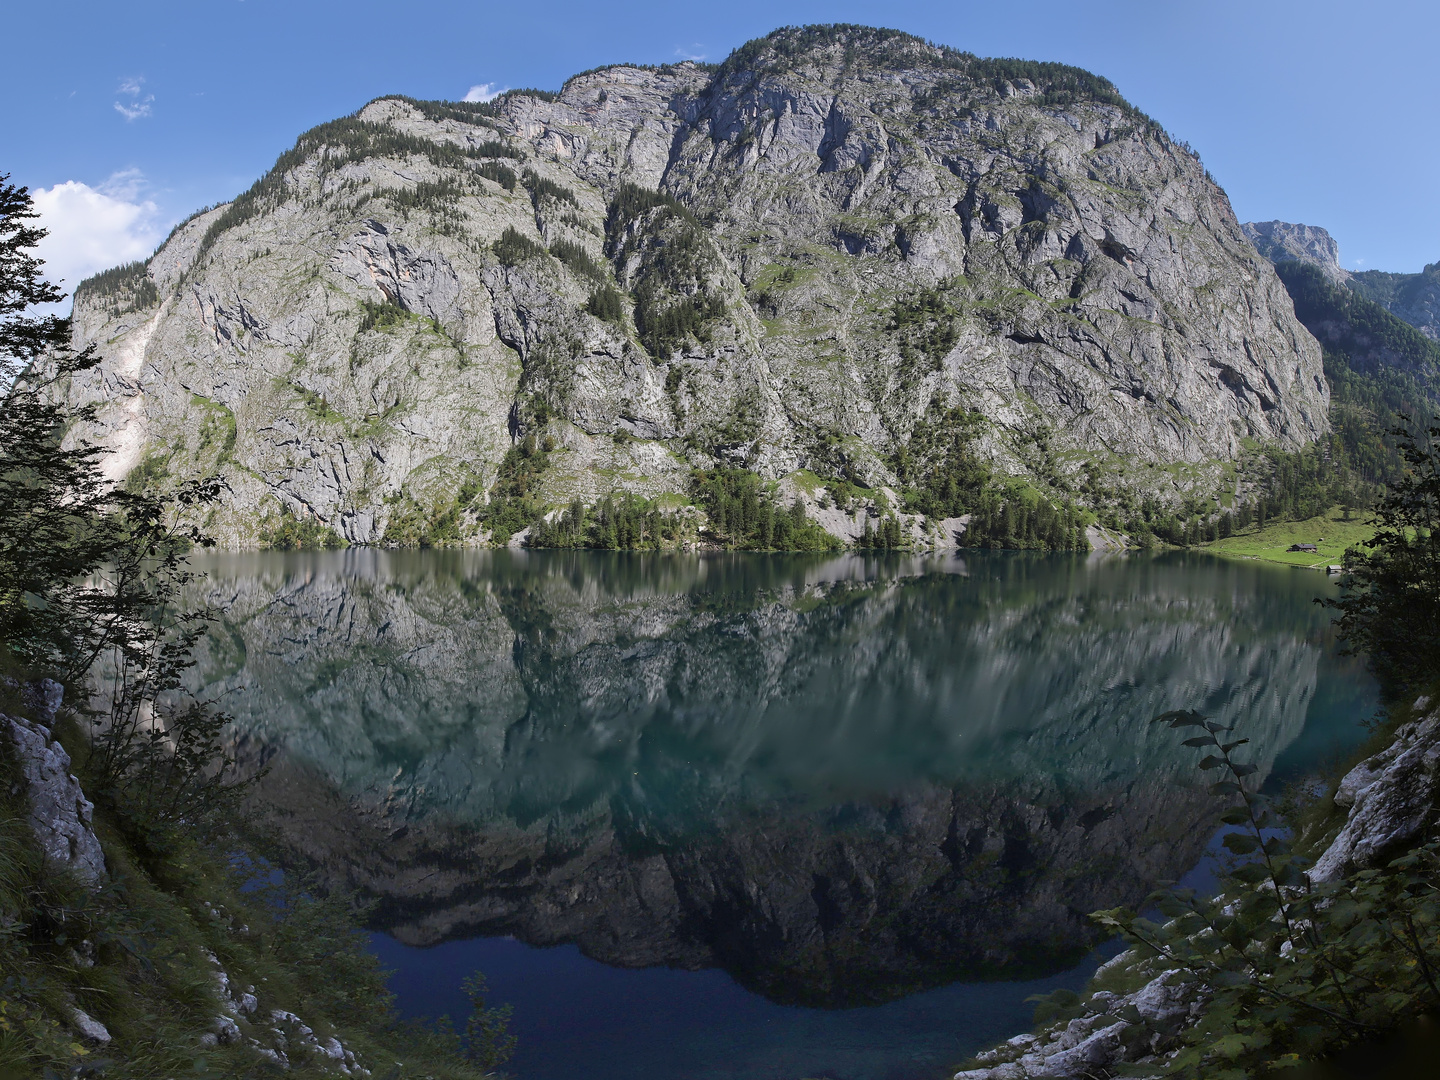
(124, 118)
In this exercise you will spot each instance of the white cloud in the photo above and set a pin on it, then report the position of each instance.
(484, 92)
(94, 228)
(692, 53)
(133, 87)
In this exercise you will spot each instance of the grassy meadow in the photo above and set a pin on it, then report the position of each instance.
(1329, 532)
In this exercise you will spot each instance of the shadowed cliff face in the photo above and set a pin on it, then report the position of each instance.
(841, 780)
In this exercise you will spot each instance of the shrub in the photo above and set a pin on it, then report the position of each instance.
(607, 303)
(514, 247)
(541, 189)
(501, 174)
(578, 260)
(291, 533)
(124, 289)
(745, 516)
(1390, 604)
(379, 316)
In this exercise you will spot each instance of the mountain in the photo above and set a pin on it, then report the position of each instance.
(1380, 364)
(806, 258)
(1413, 297)
(1282, 241)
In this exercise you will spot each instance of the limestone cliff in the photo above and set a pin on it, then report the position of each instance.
(1412, 298)
(1283, 241)
(782, 262)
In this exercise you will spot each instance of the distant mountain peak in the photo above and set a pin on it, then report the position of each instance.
(1284, 241)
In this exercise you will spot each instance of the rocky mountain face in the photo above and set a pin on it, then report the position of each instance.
(839, 784)
(1372, 324)
(1413, 297)
(1282, 241)
(785, 262)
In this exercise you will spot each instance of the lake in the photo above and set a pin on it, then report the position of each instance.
(757, 817)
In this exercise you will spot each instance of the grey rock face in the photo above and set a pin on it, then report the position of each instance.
(88, 1026)
(60, 815)
(1390, 798)
(1414, 298)
(1076, 275)
(1099, 1040)
(1282, 241)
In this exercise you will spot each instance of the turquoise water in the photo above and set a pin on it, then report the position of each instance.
(757, 816)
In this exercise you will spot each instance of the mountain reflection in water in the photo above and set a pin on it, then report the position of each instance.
(842, 780)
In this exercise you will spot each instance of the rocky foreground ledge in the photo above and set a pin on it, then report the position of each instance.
(62, 821)
(1390, 804)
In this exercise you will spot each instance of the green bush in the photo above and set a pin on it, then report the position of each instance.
(514, 247)
(291, 533)
(1024, 520)
(626, 523)
(1390, 604)
(745, 516)
(124, 288)
(514, 502)
(541, 189)
(501, 174)
(924, 326)
(578, 260)
(380, 316)
(607, 303)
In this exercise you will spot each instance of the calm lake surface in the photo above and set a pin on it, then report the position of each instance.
(757, 817)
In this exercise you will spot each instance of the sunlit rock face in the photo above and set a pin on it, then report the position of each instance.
(840, 780)
(864, 226)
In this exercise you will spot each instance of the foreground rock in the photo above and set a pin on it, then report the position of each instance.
(1390, 799)
(866, 230)
(60, 814)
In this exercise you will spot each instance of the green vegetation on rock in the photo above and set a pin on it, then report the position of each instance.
(288, 532)
(627, 523)
(674, 283)
(122, 289)
(744, 516)
(514, 247)
(1390, 609)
